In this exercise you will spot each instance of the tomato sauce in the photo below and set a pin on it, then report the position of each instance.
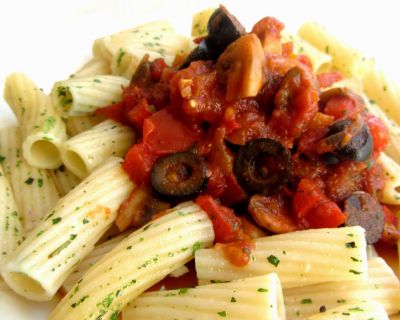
(184, 110)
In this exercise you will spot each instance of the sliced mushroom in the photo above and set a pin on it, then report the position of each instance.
(242, 68)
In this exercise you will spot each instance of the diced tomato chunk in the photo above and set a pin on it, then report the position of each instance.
(327, 79)
(342, 107)
(379, 133)
(226, 224)
(115, 112)
(139, 113)
(314, 209)
(138, 163)
(156, 68)
(164, 134)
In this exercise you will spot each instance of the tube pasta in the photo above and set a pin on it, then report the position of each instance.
(64, 180)
(368, 309)
(68, 233)
(299, 258)
(384, 92)
(319, 59)
(250, 298)
(94, 67)
(85, 151)
(11, 231)
(200, 22)
(344, 58)
(138, 262)
(98, 252)
(381, 285)
(43, 131)
(124, 50)
(78, 97)
(390, 193)
(77, 125)
(34, 190)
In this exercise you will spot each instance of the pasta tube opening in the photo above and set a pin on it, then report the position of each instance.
(43, 153)
(27, 282)
(75, 163)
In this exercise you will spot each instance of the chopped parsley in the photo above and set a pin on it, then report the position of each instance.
(222, 314)
(273, 260)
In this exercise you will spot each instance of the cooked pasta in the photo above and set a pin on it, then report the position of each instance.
(344, 58)
(299, 258)
(250, 298)
(390, 193)
(85, 151)
(64, 180)
(76, 125)
(94, 67)
(320, 60)
(363, 310)
(381, 285)
(200, 21)
(138, 262)
(98, 252)
(384, 92)
(82, 96)
(42, 129)
(34, 191)
(126, 49)
(11, 231)
(68, 233)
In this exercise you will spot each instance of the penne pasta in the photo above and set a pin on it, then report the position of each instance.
(85, 151)
(363, 310)
(390, 193)
(94, 67)
(344, 58)
(319, 60)
(138, 262)
(76, 125)
(257, 298)
(34, 191)
(64, 180)
(126, 49)
(11, 231)
(299, 258)
(98, 252)
(200, 22)
(68, 233)
(42, 129)
(82, 96)
(381, 285)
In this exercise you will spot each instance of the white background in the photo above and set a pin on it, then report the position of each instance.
(48, 40)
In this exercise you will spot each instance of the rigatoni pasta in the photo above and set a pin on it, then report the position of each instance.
(82, 96)
(34, 191)
(11, 231)
(67, 233)
(94, 67)
(299, 258)
(42, 129)
(258, 298)
(363, 310)
(64, 180)
(138, 262)
(85, 151)
(79, 124)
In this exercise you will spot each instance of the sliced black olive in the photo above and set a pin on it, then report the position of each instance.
(223, 29)
(262, 166)
(361, 209)
(142, 75)
(179, 175)
(349, 139)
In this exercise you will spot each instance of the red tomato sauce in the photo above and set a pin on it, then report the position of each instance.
(176, 110)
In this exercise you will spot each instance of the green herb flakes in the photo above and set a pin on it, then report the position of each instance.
(273, 260)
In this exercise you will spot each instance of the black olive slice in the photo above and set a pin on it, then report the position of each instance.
(179, 175)
(262, 166)
(349, 139)
(361, 209)
(223, 29)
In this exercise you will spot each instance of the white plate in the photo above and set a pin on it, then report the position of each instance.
(48, 40)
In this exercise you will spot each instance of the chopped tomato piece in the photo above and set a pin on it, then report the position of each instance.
(115, 112)
(342, 106)
(226, 224)
(314, 209)
(156, 68)
(164, 134)
(139, 113)
(138, 163)
(379, 133)
(238, 253)
(327, 79)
